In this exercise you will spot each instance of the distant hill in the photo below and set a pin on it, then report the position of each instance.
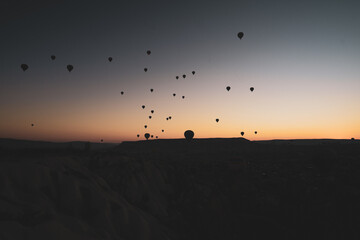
(6, 143)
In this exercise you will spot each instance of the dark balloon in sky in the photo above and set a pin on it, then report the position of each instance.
(183, 97)
(32, 124)
(251, 89)
(152, 111)
(110, 59)
(189, 135)
(174, 94)
(122, 93)
(255, 132)
(152, 136)
(149, 117)
(240, 35)
(143, 106)
(184, 76)
(157, 137)
(242, 133)
(162, 130)
(148, 52)
(151, 90)
(217, 120)
(24, 67)
(193, 72)
(147, 135)
(53, 57)
(102, 140)
(228, 88)
(145, 126)
(177, 77)
(138, 135)
(145, 69)
(69, 67)
(169, 117)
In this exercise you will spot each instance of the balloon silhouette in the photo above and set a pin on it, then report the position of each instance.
(189, 135)
(169, 117)
(151, 90)
(143, 106)
(145, 69)
(193, 72)
(255, 132)
(102, 140)
(251, 89)
(157, 137)
(183, 97)
(138, 135)
(242, 133)
(184, 76)
(240, 35)
(177, 77)
(148, 52)
(69, 67)
(24, 67)
(52, 57)
(174, 94)
(152, 111)
(228, 88)
(147, 135)
(32, 124)
(162, 130)
(122, 93)
(110, 59)
(149, 117)
(145, 126)
(152, 136)
(217, 120)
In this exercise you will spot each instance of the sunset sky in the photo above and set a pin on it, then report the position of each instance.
(302, 58)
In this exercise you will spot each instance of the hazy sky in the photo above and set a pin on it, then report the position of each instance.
(302, 58)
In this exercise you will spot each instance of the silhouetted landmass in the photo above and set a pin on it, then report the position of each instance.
(179, 189)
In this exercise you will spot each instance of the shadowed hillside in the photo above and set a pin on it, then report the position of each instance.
(175, 189)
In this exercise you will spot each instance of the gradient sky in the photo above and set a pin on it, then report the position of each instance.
(302, 57)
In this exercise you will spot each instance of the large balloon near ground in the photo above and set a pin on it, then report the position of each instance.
(189, 135)
(240, 35)
(24, 67)
(147, 135)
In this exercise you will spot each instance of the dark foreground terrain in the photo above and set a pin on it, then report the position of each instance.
(173, 189)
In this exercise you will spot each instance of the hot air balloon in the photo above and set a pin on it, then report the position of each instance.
(102, 140)
(170, 117)
(242, 133)
(217, 120)
(157, 137)
(145, 126)
(167, 118)
(152, 136)
(193, 72)
(174, 94)
(138, 135)
(143, 106)
(24, 67)
(151, 90)
(251, 89)
(32, 124)
(69, 67)
(122, 93)
(255, 132)
(148, 52)
(184, 76)
(110, 59)
(52, 57)
(228, 88)
(152, 111)
(162, 130)
(189, 135)
(149, 117)
(240, 35)
(145, 69)
(183, 97)
(147, 135)
(177, 77)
